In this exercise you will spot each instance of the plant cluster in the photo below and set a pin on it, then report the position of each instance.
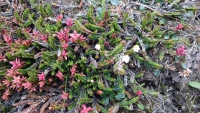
(93, 57)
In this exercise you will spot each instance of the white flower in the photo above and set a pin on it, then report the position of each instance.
(92, 81)
(136, 48)
(97, 46)
(58, 52)
(126, 58)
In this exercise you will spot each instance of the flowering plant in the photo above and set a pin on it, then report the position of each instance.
(90, 62)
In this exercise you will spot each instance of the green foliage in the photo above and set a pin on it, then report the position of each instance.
(17, 17)
(140, 106)
(195, 84)
(25, 13)
(48, 10)
(125, 104)
(118, 49)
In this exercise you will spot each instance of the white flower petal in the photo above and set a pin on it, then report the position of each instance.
(188, 70)
(97, 46)
(58, 52)
(136, 48)
(92, 81)
(126, 59)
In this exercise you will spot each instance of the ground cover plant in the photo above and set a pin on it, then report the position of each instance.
(117, 57)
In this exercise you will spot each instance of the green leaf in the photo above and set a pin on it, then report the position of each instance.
(172, 13)
(191, 8)
(156, 72)
(105, 100)
(17, 17)
(119, 96)
(103, 110)
(150, 91)
(48, 10)
(195, 84)
(73, 105)
(166, 36)
(52, 42)
(174, 36)
(158, 1)
(161, 55)
(140, 106)
(2, 72)
(139, 75)
(100, 11)
(84, 100)
(115, 2)
(142, 8)
(183, 65)
(162, 21)
(133, 100)
(116, 87)
(107, 77)
(25, 14)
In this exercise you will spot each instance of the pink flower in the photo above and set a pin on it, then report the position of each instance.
(65, 45)
(2, 58)
(17, 81)
(41, 76)
(73, 70)
(61, 35)
(64, 95)
(82, 74)
(74, 37)
(18, 41)
(180, 51)
(27, 30)
(59, 75)
(66, 38)
(8, 39)
(179, 27)
(16, 64)
(66, 30)
(106, 43)
(81, 38)
(64, 54)
(6, 82)
(27, 85)
(26, 42)
(12, 72)
(85, 109)
(50, 80)
(59, 17)
(6, 94)
(35, 33)
(41, 84)
(69, 22)
(32, 89)
(139, 93)
(43, 37)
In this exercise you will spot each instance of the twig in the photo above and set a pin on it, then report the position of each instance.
(6, 14)
(3, 4)
(4, 48)
(156, 104)
(137, 3)
(81, 4)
